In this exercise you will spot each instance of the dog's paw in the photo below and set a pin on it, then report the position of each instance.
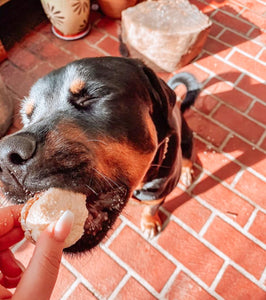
(186, 176)
(150, 225)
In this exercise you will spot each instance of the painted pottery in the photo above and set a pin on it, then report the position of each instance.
(69, 18)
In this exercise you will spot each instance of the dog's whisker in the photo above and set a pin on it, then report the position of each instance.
(107, 179)
(98, 141)
(161, 166)
(91, 189)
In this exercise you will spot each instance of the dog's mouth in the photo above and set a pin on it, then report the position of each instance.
(104, 204)
(100, 206)
(103, 209)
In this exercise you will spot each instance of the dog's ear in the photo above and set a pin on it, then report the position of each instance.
(164, 171)
(163, 102)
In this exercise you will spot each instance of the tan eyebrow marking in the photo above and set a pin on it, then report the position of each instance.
(28, 107)
(76, 86)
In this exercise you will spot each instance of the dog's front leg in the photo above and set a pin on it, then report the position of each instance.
(151, 223)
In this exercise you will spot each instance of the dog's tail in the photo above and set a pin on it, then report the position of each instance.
(192, 85)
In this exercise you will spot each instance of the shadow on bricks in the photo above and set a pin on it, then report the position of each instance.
(223, 157)
(242, 28)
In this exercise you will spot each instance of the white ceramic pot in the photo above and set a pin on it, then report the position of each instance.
(69, 18)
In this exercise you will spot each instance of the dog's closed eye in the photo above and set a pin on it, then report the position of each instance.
(81, 101)
(79, 96)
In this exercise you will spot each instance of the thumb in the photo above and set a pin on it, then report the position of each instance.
(39, 278)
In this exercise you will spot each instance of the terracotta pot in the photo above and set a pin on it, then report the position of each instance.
(113, 8)
(70, 18)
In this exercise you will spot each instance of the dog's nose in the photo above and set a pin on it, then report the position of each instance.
(16, 150)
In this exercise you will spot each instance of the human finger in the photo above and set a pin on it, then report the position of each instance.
(9, 218)
(11, 269)
(11, 238)
(4, 293)
(45, 262)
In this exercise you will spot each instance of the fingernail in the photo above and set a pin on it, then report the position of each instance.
(63, 226)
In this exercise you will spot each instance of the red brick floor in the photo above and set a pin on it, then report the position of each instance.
(213, 246)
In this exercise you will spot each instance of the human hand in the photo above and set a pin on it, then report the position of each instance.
(38, 280)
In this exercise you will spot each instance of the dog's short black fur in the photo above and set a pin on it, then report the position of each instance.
(106, 127)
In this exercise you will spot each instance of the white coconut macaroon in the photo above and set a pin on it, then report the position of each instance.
(47, 207)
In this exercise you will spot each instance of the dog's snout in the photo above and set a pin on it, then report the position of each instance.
(16, 150)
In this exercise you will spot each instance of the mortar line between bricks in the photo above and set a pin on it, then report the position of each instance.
(225, 141)
(213, 75)
(261, 1)
(231, 158)
(219, 34)
(246, 9)
(226, 185)
(118, 288)
(217, 106)
(173, 259)
(130, 271)
(259, 53)
(233, 85)
(243, 5)
(229, 221)
(94, 46)
(115, 234)
(261, 139)
(246, 168)
(207, 80)
(219, 275)
(251, 219)
(235, 16)
(207, 224)
(215, 9)
(237, 82)
(263, 277)
(238, 176)
(71, 289)
(36, 66)
(246, 36)
(82, 279)
(178, 263)
(102, 51)
(170, 282)
(218, 252)
(229, 63)
(99, 40)
(229, 55)
(238, 17)
(240, 13)
(249, 33)
(251, 57)
(236, 48)
(225, 218)
(251, 105)
(96, 22)
(228, 129)
(108, 35)
(261, 61)
(192, 186)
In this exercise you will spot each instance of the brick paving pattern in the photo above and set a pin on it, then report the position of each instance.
(213, 246)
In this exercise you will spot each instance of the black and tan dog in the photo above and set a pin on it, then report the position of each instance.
(105, 127)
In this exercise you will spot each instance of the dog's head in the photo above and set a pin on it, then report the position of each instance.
(92, 127)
